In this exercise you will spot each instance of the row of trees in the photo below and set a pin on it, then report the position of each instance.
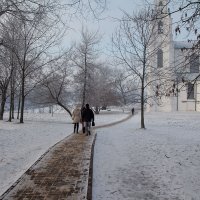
(31, 72)
(26, 52)
(33, 68)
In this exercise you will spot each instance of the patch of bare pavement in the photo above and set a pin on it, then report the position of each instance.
(62, 173)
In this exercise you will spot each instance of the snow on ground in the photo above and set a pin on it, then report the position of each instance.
(22, 144)
(159, 163)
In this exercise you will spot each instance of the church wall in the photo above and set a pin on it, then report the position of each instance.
(182, 70)
(174, 63)
(185, 104)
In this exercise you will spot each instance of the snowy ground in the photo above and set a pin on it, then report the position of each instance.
(22, 144)
(159, 163)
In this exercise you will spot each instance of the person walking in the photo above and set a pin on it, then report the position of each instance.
(87, 117)
(132, 110)
(76, 117)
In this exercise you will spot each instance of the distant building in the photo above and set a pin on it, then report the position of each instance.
(180, 63)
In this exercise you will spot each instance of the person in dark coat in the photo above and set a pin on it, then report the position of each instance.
(87, 118)
(83, 128)
(132, 110)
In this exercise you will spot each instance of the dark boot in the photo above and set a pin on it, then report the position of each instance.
(74, 128)
(83, 129)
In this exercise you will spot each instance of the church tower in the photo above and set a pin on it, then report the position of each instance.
(163, 58)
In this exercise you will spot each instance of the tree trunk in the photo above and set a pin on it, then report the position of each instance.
(142, 104)
(19, 105)
(11, 100)
(12, 92)
(142, 115)
(13, 107)
(85, 83)
(142, 109)
(22, 98)
(10, 111)
(3, 102)
(60, 104)
(22, 108)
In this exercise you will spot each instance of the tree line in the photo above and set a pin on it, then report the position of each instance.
(35, 69)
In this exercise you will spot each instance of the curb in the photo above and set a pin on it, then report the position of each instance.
(114, 123)
(90, 178)
(30, 168)
(89, 189)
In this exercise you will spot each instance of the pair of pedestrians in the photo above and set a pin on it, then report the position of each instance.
(85, 116)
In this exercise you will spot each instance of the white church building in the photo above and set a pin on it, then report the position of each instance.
(181, 90)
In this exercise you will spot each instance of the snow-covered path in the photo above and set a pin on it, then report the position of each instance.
(159, 163)
(22, 144)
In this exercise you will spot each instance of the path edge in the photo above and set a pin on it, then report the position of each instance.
(31, 167)
(90, 177)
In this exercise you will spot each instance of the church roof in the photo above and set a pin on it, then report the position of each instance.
(183, 44)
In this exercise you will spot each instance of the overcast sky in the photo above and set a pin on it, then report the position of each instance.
(108, 23)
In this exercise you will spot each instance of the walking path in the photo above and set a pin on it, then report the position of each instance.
(64, 172)
(61, 174)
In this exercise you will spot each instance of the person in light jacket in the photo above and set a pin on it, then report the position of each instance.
(76, 117)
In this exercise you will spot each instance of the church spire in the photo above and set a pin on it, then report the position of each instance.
(162, 6)
(161, 12)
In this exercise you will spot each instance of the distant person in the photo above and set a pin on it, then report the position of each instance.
(87, 117)
(76, 117)
(132, 110)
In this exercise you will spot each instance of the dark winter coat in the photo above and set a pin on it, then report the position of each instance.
(87, 115)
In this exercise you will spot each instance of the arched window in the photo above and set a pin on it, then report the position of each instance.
(190, 91)
(194, 63)
(160, 58)
(160, 27)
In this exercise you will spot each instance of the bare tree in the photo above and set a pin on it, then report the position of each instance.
(134, 46)
(8, 62)
(26, 9)
(5, 76)
(35, 36)
(9, 35)
(55, 87)
(54, 91)
(126, 86)
(85, 59)
(102, 88)
(35, 39)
